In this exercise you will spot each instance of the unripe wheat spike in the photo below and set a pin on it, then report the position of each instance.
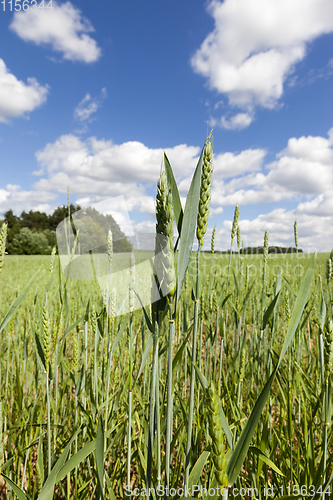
(212, 245)
(164, 227)
(235, 223)
(216, 434)
(3, 237)
(296, 235)
(205, 193)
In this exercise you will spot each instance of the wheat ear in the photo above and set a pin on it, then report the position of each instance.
(205, 193)
(3, 237)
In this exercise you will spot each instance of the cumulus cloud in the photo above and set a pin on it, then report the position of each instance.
(88, 106)
(302, 172)
(256, 44)
(215, 211)
(226, 165)
(17, 97)
(280, 225)
(63, 27)
(233, 164)
(237, 122)
(97, 170)
(101, 161)
(305, 166)
(13, 197)
(317, 149)
(144, 227)
(300, 175)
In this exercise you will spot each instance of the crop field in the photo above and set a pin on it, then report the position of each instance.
(220, 389)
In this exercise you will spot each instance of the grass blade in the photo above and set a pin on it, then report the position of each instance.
(17, 490)
(299, 305)
(177, 206)
(18, 301)
(189, 225)
(196, 471)
(99, 455)
(40, 349)
(265, 459)
(202, 379)
(243, 444)
(48, 488)
(238, 456)
(269, 311)
(75, 460)
(145, 355)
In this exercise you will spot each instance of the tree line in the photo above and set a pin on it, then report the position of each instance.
(34, 232)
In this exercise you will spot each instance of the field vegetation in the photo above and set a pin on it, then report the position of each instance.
(223, 384)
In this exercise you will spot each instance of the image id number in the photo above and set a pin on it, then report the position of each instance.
(17, 5)
(303, 490)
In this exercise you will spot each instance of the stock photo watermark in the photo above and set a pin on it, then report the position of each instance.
(127, 267)
(294, 490)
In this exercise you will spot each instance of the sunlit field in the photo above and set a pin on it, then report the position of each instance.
(89, 363)
(220, 388)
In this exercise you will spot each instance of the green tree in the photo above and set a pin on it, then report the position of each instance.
(51, 237)
(106, 222)
(14, 226)
(11, 218)
(91, 234)
(60, 213)
(28, 242)
(36, 221)
(39, 235)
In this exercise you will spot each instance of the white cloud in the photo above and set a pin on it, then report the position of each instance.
(13, 197)
(62, 27)
(216, 211)
(256, 44)
(17, 97)
(237, 122)
(85, 163)
(233, 164)
(85, 108)
(227, 165)
(317, 149)
(299, 175)
(321, 205)
(146, 226)
(304, 169)
(305, 166)
(88, 106)
(280, 225)
(97, 170)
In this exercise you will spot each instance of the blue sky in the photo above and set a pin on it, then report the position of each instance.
(92, 93)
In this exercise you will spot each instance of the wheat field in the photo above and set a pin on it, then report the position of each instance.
(222, 388)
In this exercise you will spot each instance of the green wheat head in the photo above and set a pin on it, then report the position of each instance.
(216, 434)
(205, 193)
(328, 350)
(212, 244)
(235, 223)
(46, 336)
(3, 237)
(164, 226)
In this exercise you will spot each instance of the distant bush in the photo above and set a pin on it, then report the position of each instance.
(51, 237)
(27, 242)
(34, 233)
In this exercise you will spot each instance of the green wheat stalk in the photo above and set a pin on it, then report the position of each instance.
(202, 223)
